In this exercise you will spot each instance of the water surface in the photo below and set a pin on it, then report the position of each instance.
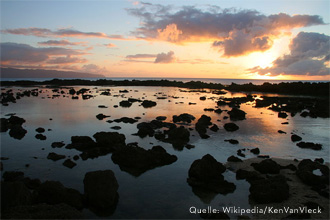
(162, 192)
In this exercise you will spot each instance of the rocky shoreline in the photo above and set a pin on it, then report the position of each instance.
(300, 192)
(293, 88)
(273, 182)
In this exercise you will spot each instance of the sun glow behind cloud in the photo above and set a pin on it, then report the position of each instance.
(178, 40)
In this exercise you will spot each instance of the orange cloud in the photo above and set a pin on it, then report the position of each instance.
(170, 33)
(233, 32)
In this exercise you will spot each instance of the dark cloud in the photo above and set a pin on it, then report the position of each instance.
(165, 57)
(141, 56)
(64, 32)
(146, 58)
(92, 68)
(235, 32)
(13, 54)
(309, 55)
(61, 43)
(110, 45)
(66, 60)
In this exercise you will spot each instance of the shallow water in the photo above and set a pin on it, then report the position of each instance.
(162, 192)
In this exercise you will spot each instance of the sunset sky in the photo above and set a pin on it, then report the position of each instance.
(261, 39)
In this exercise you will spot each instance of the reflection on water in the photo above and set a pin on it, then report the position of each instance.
(162, 192)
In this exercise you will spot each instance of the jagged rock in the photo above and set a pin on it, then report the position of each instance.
(281, 132)
(185, 117)
(304, 114)
(319, 160)
(101, 189)
(236, 114)
(136, 160)
(17, 131)
(239, 153)
(14, 194)
(42, 211)
(290, 167)
(72, 91)
(53, 192)
(125, 104)
(53, 156)
(250, 176)
(41, 137)
(231, 127)
(255, 150)
(161, 118)
(189, 146)
(101, 116)
(106, 93)
(102, 106)
(134, 100)
(148, 104)
(234, 159)
(267, 166)
(111, 140)
(69, 163)
(81, 143)
(295, 138)
(10, 176)
(145, 129)
(15, 120)
(116, 127)
(218, 111)
(57, 144)
(221, 103)
(320, 183)
(106, 142)
(4, 125)
(86, 97)
(40, 130)
(214, 128)
(31, 183)
(263, 156)
(202, 124)
(178, 137)
(202, 98)
(232, 141)
(271, 190)
(309, 145)
(126, 120)
(282, 115)
(206, 173)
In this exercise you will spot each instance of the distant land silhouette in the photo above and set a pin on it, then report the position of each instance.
(40, 73)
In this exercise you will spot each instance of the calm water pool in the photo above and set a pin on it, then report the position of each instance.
(162, 192)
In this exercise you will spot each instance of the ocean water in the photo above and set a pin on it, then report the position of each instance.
(207, 80)
(162, 192)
